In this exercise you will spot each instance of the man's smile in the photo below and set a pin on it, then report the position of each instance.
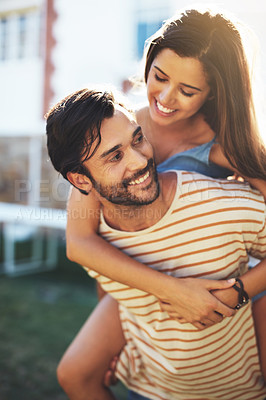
(140, 180)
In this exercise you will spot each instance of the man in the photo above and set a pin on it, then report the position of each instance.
(157, 219)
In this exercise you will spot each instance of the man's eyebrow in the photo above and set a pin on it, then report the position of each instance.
(136, 131)
(184, 84)
(107, 152)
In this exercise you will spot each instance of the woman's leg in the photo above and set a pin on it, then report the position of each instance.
(259, 315)
(82, 368)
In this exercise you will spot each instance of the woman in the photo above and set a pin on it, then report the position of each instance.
(200, 107)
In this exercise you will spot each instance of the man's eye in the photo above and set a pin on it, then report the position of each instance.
(116, 157)
(159, 79)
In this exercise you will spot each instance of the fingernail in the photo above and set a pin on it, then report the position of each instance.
(232, 280)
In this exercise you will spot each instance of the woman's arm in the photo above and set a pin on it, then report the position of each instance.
(254, 281)
(217, 156)
(189, 298)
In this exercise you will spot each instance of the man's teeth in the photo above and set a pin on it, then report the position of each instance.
(164, 109)
(140, 180)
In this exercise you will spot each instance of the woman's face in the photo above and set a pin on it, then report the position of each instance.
(176, 87)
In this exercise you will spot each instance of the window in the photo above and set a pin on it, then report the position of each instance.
(144, 31)
(149, 18)
(20, 35)
(3, 39)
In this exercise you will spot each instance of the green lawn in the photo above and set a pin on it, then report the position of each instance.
(40, 315)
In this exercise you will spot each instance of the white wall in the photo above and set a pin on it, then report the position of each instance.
(21, 98)
(94, 43)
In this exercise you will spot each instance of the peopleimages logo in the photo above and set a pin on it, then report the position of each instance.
(223, 190)
(39, 214)
(44, 190)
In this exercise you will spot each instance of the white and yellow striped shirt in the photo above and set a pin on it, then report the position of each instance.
(208, 231)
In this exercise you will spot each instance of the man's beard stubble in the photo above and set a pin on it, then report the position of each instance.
(119, 193)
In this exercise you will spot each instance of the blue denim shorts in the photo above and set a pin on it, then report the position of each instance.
(135, 396)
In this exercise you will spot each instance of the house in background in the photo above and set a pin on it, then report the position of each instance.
(24, 71)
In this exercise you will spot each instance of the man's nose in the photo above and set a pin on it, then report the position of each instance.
(136, 160)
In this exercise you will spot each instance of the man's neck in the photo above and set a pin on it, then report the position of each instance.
(132, 219)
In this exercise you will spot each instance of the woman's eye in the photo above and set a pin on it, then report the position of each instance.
(159, 79)
(116, 157)
(186, 94)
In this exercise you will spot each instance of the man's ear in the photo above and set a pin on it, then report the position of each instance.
(81, 182)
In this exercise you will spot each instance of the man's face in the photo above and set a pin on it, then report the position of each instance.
(122, 170)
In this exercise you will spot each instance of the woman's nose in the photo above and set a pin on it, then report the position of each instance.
(167, 97)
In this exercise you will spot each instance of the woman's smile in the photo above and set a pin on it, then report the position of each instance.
(164, 109)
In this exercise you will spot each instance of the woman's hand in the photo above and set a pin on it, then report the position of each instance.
(227, 296)
(190, 300)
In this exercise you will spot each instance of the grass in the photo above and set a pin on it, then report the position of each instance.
(40, 315)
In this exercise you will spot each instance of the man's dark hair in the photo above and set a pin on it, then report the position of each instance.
(73, 126)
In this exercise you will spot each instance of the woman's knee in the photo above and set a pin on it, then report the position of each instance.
(72, 376)
(65, 373)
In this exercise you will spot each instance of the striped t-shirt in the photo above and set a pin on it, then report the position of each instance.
(207, 232)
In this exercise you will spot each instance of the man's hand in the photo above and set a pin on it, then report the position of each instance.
(190, 300)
